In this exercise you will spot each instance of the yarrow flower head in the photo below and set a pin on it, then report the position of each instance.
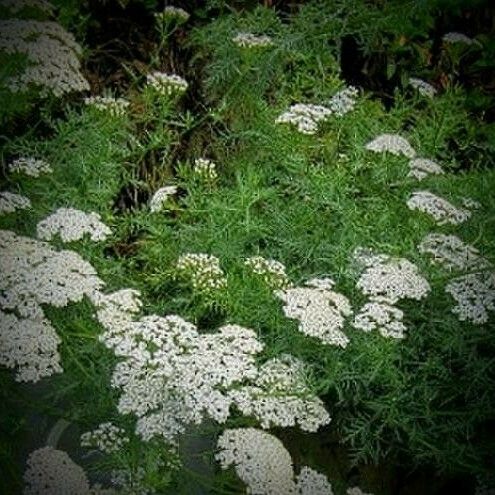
(166, 84)
(52, 54)
(305, 117)
(203, 271)
(442, 211)
(15, 6)
(30, 167)
(160, 198)
(107, 438)
(419, 168)
(205, 170)
(391, 143)
(452, 253)
(422, 87)
(381, 316)
(344, 101)
(116, 107)
(250, 40)
(454, 37)
(11, 202)
(272, 271)
(321, 312)
(72, 225)
(172, 13)
(263, 463)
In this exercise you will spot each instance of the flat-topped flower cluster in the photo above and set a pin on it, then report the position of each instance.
(166, 84)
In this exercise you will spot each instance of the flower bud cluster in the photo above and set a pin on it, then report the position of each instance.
(272, 271)
(166, 84)
(205, 170)
(107, 438)
(116, 107)
(250, 40)
(203, 271)
(11, 202)
(30, 167)
(170, 12)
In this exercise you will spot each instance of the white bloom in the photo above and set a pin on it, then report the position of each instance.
(203, 270)
(30, 345)
(53, 472)
(117, 309)
(392, 143)
(16, 6)
(419, 168)
(381, 316)
(470, 203)
(205, 169)
(272, 271)
(30, 166)
(160, 197)
(390, 279)
(474, 294)
(250, 40)
(310, 482)
(454, 37)
(116, 107)
(423, 88)
(10, 202)
(439, 208)
(107, 438)
(72, 225)
(305, 117)
(356, 491)
(166, 84)
(321, 312)
(52, 53)
(344, 101)
(452, 253)
(171, 12)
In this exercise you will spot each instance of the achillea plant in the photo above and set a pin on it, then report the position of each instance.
(442, 211)
(30, 166)
(391, 143)
(11, 202)
(116, 107)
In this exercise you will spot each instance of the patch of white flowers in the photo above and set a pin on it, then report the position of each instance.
(107, 438)
(30, 167)
(263, 463)
(305, 117)
(116, 107)
(321, 311)
(161, 196)
(423, 88)
(470, 203)
(117, 309)
(11, 202)
(166, 84)
(52, 54)
(442, 211)
(15, 6)
(474, 294)
(205, 170)
(171, 12)
(30, 345)
(419, 168)
(273, 272)
(72, 225)
(203, 270)
(381, 316)
(454, 37)
(452, 253)
(356, 491)
(343, 101)
(250, 40)
(391, 143)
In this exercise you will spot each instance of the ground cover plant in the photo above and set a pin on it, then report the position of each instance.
(247, 248)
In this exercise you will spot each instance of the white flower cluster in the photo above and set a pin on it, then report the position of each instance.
(171, 12)
(30, 167)
(321, 312)
(344, 101)
(470, 203)
(272, 271)
(356, 491)
(305, 117)
(107, 438)
(72, 225)
(160, 197)
(30, 345)
(116, 107)
(454, 37)
(419, 168)
(117, 309)
(205, 169)
(11, 202)
(422, 87)
(166, 84)
(250, 40)
(171, 376)
(203, 270)
(452, 253)
(392, 143)
(53, 472)
(263, 463)
(15, 6)
(440, 209)
(280, 397)
(131, 482)
(52, 54)
(474, 294)
(386, 280)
